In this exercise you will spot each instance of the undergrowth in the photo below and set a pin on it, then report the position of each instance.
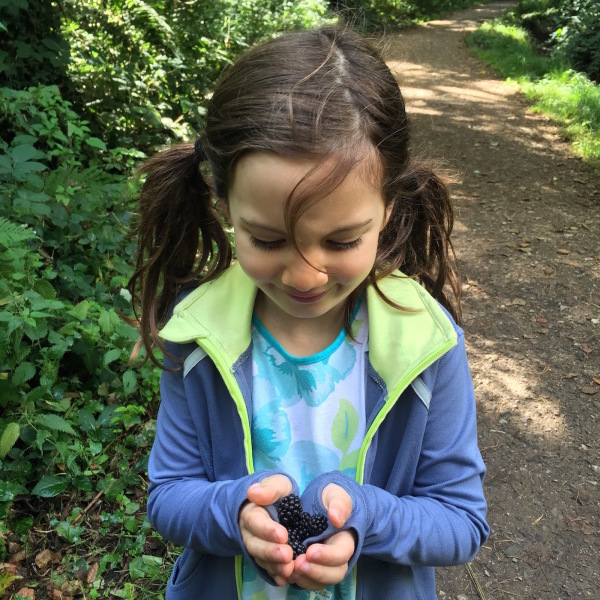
(548, 80)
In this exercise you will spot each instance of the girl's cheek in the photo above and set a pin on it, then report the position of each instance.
(257, 266)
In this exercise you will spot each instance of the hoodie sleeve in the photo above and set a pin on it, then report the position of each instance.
(442, 522)
(184, 505)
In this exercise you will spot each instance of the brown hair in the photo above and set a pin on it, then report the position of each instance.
(314, 94)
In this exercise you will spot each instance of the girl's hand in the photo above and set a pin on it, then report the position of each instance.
(265, 539)
(326, 563)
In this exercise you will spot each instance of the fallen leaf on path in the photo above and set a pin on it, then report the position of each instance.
(517, 302)
(9, 568)
(18, 556)
(44, 558)
(71, 587)
(542, 320)
(589, 390)
(563, 251)
(586, 348)
(92, 572)
(26, 593)
(596, 380)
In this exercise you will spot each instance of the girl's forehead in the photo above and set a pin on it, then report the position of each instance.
(273, 174)
(267, 189)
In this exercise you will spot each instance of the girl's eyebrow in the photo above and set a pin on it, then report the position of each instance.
(257, 225)
(343, 229)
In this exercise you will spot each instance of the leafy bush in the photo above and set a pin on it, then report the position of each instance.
(74, 415)
(579, 37)
(33, 49)
(144, 69)
(570, 28)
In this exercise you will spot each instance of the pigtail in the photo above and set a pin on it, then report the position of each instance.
(416, 239)
(181, 240)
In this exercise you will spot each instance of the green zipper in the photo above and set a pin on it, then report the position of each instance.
(389, 403)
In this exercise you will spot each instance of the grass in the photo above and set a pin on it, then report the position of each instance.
(566, 96)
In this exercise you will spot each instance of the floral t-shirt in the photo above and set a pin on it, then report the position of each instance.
(308, 418)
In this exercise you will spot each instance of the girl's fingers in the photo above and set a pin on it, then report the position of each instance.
(267, 553)
(338, 503)
(326, 563)
(256, 522)
(313, 576)
(269, 490)
(334, 551)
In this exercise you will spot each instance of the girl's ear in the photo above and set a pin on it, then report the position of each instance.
(388, 214)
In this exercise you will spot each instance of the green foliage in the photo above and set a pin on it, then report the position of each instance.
(579, 37)
(114, 79)
(509, 48)
(59, 180)
(33, 48)
(570, 28)
(144, 68)
(569, 97)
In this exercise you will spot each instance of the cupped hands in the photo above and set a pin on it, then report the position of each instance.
(324, 563)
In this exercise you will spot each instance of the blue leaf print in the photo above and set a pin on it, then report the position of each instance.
(308, 459)
(271, 435)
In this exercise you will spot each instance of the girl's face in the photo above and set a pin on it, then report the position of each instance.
(337, 235)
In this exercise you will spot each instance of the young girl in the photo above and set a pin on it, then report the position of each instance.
(325, 361)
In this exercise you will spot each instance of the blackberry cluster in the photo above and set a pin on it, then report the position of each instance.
(299, 524)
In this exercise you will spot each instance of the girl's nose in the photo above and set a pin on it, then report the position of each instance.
(303, 276)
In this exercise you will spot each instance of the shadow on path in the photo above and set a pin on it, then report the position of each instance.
(527, 238)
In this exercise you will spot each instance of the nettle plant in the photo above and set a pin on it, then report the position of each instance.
(70, 407)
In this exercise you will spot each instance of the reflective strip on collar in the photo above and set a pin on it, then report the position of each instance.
(192, 360)
(422, 391)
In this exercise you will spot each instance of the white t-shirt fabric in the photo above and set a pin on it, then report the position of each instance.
(308, 418)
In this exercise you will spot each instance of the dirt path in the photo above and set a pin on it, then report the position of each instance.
(528, 242)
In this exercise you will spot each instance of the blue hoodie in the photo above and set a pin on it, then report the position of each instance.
(417, 497)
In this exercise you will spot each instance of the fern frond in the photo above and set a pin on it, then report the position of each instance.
(140, 8)
(11, 233)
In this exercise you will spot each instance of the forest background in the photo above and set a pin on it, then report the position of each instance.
(88, 88)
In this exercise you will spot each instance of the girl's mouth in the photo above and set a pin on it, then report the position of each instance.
(306, 299)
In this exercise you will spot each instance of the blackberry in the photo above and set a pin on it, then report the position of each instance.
(294, 534)
(317, 525)
(289, 510)
(303, 528)
(300, 525)
(298, 548)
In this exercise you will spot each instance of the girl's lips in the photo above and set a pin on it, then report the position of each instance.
(306, 299)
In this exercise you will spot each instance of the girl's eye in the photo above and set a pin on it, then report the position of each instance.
(264, 245)
(345, 245)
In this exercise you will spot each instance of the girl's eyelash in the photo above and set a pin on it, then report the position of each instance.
(345, 245)
(264, 245)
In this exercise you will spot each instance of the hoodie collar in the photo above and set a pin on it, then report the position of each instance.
(217, 315)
